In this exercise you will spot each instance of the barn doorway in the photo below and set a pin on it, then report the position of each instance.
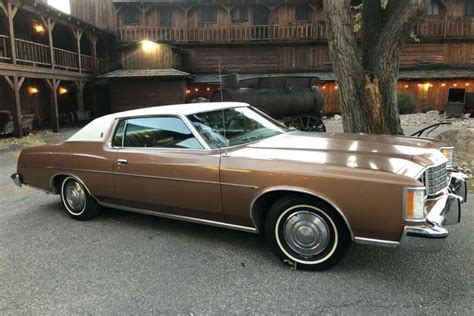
(456, 95)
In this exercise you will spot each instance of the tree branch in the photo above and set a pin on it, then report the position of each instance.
(340, 29)
(400, 22)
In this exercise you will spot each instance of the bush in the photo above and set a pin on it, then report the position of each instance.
(406, 103)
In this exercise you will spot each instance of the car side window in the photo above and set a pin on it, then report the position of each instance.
(159, 132)
(118, 136)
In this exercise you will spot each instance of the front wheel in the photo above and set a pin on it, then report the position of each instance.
(307, 233)
(78, 202)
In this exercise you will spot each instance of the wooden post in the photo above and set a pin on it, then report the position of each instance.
(78, 35)
(53, 86)
(11, 15)
(80, 95)
(94, 52)
(16, 84)
(50, 24)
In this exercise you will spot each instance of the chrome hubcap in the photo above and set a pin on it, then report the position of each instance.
(306, 233)
(75, 196)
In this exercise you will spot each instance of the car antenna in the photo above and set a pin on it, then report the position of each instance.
(222, 98)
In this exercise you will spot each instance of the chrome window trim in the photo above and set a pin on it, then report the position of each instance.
(405, 191)
(299, 190)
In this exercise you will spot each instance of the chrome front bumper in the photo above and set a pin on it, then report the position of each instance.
(16, 177)
(442, 211)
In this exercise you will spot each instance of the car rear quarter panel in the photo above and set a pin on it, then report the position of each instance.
(89, 161)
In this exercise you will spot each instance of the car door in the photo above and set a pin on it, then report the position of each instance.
(160, 165)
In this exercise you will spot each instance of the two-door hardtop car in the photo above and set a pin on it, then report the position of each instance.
(230, 165)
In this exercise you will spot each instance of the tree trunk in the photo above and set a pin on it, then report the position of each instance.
(367, 75)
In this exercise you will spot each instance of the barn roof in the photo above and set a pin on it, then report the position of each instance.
(145, 73)
(330, 76)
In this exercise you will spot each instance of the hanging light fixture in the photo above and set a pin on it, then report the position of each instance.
(62, 91)
(32, 90)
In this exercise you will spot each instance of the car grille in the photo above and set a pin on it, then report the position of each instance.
(435, 179)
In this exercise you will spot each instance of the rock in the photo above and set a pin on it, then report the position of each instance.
(463, 141)
(337, 117)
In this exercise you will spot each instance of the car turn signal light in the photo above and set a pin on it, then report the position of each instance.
(414, 204)
(448, 154)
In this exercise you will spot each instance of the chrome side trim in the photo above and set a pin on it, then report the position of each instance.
(182, 218)
(376, 242)
(146, 176)
(299, 190)
(165, 178)
(240, 185)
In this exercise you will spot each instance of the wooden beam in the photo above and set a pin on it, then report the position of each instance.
(50, 24)
(80, 95)
(17, 113)
(2, 6)
(9, 82)
(78, 35)
(11, 14)
(53, 85)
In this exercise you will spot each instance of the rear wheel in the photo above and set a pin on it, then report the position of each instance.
(78, 202)
(307, 123)
(307, 233)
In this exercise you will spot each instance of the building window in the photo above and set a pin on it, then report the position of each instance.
(130, 15)
(469, 8)
(239, 14)
(433, 8)
(302, 12)
(208, 14)
(165, 17)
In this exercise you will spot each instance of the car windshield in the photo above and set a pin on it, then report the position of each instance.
(234, 126)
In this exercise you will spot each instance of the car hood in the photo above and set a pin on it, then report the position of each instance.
(396, 154)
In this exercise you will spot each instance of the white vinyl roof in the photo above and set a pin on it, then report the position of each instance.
(96, 130)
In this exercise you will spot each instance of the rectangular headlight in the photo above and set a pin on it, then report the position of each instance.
(448, 154)
(415, 204)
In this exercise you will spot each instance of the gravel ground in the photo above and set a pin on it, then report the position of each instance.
(124, 263)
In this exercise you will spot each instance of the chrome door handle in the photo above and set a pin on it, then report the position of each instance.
(122, 161)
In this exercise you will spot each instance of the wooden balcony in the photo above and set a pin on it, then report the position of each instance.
(226, 34)
(450, 29)
(275, 33)
(39, 55)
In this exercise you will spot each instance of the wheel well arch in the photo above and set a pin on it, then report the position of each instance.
(58, 178)
(262, 203)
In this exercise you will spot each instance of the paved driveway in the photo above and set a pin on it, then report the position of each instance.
(124, 263)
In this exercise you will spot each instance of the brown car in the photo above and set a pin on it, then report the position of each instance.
(229, 165)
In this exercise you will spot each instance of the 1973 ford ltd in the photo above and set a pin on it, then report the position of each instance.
(229, 165)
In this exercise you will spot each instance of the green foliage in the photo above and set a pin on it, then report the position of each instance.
(358, 15)
(406, 103)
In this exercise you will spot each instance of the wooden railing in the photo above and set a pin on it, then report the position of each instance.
(39, 55)
(88, 63)
(32, 53)
(450, 29)
(66, 59)
(303, 32)
(277, 33)
(4, 40)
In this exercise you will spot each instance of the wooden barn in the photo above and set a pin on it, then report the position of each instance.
(256, 37)
(48, 61)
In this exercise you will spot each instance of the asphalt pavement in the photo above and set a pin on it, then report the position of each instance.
(125, 263)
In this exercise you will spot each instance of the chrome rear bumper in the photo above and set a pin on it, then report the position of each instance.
(442, 211)
(16, 177)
